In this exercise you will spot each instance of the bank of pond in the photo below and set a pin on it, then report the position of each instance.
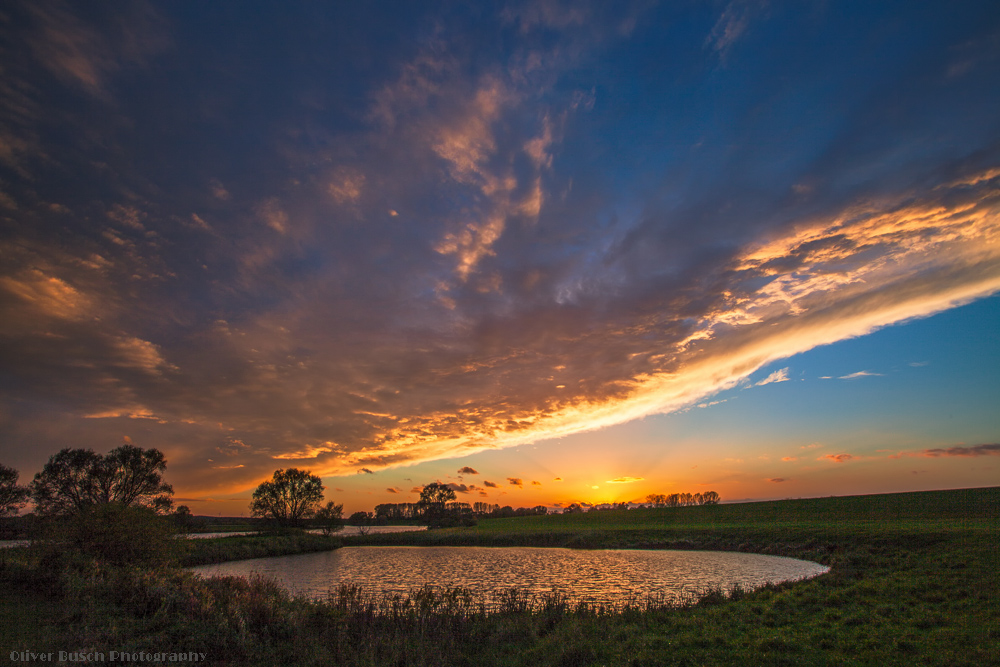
(911, 581)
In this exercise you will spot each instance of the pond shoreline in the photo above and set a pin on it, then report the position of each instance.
(912, 581)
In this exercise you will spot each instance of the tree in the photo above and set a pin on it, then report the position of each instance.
(182, 518)
(12, 495)
(360, 518)
(288, 497)
(658, 499)
(329, 518)
(433, 498)
(75, 479)
(710, 498)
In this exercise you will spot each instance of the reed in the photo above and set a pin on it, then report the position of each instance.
(240, 547)
(901, 590)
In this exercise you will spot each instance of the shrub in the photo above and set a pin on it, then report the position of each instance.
(114, 534)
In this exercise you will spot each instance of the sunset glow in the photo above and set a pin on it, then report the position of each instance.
(544, 252)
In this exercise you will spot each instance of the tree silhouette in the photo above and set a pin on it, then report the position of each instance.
(288, 497)
(12, 495)
(433, 498)
(75, 479)
(329, 518)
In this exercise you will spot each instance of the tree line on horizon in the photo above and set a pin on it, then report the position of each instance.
(76, 481)
(683, 499)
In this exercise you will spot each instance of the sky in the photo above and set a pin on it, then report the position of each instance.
(544, 252)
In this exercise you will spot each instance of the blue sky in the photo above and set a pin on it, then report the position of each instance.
(388, 241)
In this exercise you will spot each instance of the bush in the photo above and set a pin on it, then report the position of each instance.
(114, 534)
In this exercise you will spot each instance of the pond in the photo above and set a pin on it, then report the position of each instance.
(598, 576)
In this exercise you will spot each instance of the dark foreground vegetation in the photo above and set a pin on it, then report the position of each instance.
(913, 582)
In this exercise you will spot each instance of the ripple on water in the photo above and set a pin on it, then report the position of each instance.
(605, 576)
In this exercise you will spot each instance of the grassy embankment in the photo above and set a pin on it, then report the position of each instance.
(240, 547)
(913, 581)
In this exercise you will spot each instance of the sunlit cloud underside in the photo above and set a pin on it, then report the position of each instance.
(403, 243)
(827, 281)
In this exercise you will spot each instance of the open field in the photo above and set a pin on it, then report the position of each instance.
(913, 581)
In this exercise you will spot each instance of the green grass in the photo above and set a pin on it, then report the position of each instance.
(913, 581)
(239, 547)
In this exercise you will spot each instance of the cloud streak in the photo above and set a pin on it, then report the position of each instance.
(451, 251)
(992, 449)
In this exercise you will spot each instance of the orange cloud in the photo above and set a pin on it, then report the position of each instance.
(838, 458)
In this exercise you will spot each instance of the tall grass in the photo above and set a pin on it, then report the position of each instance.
(904, 589)
(241, 547)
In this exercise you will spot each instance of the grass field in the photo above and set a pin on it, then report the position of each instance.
(913, 581)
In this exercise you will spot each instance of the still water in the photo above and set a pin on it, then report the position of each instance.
(599, 576)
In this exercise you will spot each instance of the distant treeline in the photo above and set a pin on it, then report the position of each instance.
(683, 499)
(415, 511)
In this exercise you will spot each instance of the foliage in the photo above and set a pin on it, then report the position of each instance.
(329, 518)
(76, 479)
(240, 547)
(360, 518)
(683, 499)
(184, 520)
(433, 498)
(13, 496)
(112, 533)
(913, 582)
(288, 497)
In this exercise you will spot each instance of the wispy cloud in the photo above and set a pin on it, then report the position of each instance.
(730, 27)
(777, 376)
(625, 480)
(466, 470)
(515, 481)
(836, 458)
(859, 374)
